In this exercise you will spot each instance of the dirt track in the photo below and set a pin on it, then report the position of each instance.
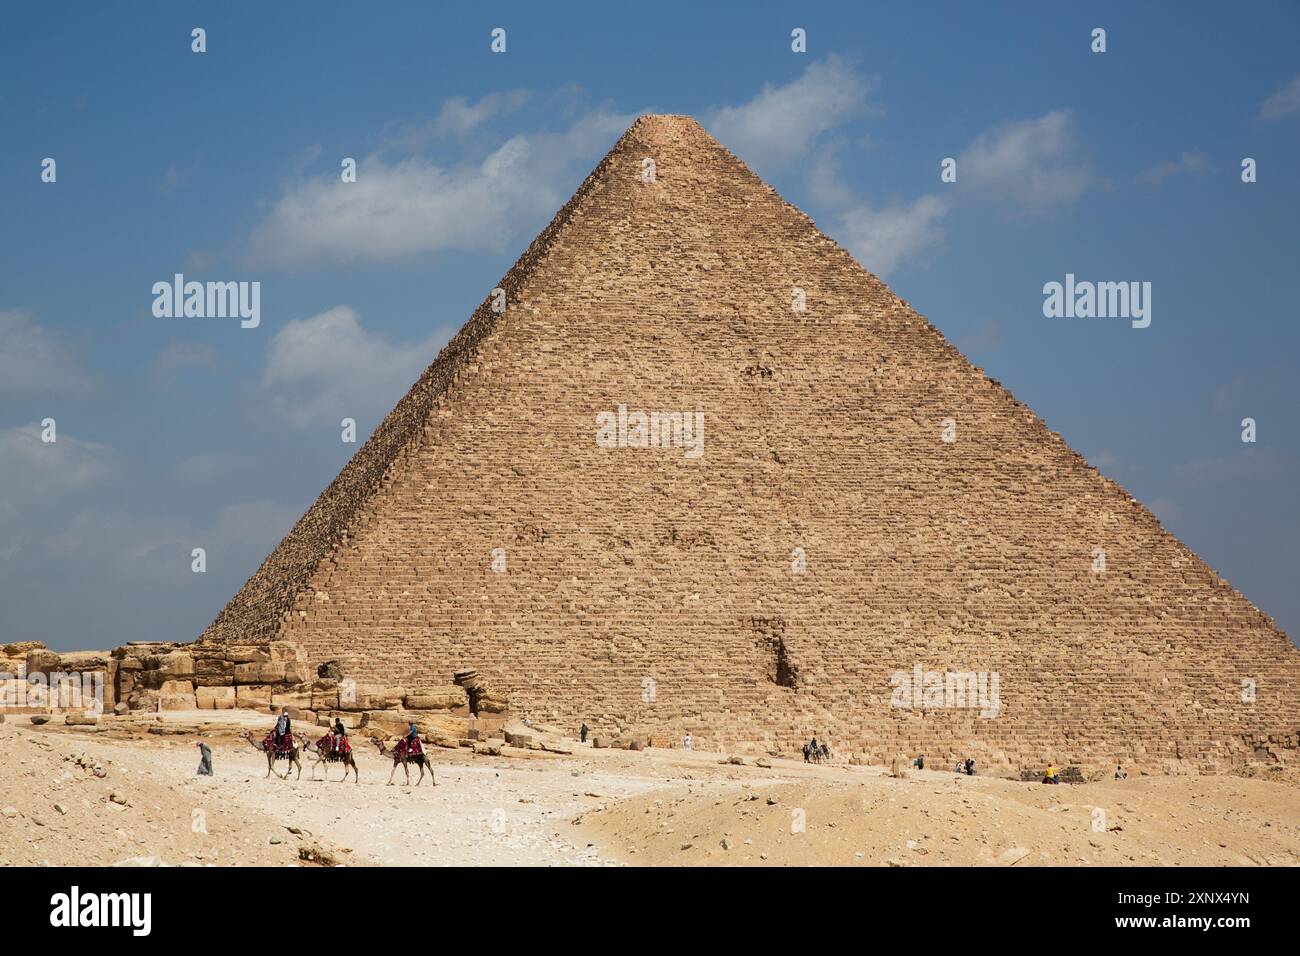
(654, 807)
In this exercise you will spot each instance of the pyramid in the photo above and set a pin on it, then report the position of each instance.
(862, 503)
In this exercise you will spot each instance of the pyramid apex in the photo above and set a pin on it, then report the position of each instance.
(666, 126)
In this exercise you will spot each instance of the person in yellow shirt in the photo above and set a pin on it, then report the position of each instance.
(1049, 776)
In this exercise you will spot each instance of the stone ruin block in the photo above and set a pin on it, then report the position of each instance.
(177, 665)
(299, 697)
(370, 697)
(143, 698)
(259, 672)
(42, 662)
(215, 698)
(253, 697)
(325, 694)
(450, 697)
(210, 672)
(285, 651)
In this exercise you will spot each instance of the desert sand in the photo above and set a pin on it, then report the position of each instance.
(93, 797)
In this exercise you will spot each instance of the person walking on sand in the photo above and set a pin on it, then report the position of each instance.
(686, 742)
(583, 731)
(205, 759)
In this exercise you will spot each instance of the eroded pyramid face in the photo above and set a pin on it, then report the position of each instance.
(695, 469)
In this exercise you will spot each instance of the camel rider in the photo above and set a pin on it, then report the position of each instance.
(282, 727)
(412, 739)
(340, 735)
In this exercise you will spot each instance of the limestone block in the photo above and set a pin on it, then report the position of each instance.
(325, 695)
(42, 662)
(143, 699)
(285, 651)
(260, 672)
(492, 704)
(83, 662)
(370, 697)
(215, 698)
(177, 665)
(295, 697)
(253, 696)
(296, 672)
(209, 672)
(450, 697)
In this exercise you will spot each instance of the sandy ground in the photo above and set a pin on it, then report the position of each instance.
(864, 817)
(603, 807)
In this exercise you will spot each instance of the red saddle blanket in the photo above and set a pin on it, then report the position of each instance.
(409, 748)
(333, 748)
(281, 748)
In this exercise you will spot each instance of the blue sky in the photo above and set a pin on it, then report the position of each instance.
(175, 434)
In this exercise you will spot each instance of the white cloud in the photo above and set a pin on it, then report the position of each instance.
(414, 207)
(883, 239)
(153, 547)
(37, 475)
(328, 367)
(779, 126)
(1282, 103)
(34, 360)
(1034, 163)
(1192, 161)
(52, 468)
(457, 118)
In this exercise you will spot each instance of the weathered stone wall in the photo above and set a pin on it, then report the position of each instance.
(152, 677)
(644, 589)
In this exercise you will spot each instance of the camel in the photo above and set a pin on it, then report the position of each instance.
(299, 742)
(322, 757)
(402, 758)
